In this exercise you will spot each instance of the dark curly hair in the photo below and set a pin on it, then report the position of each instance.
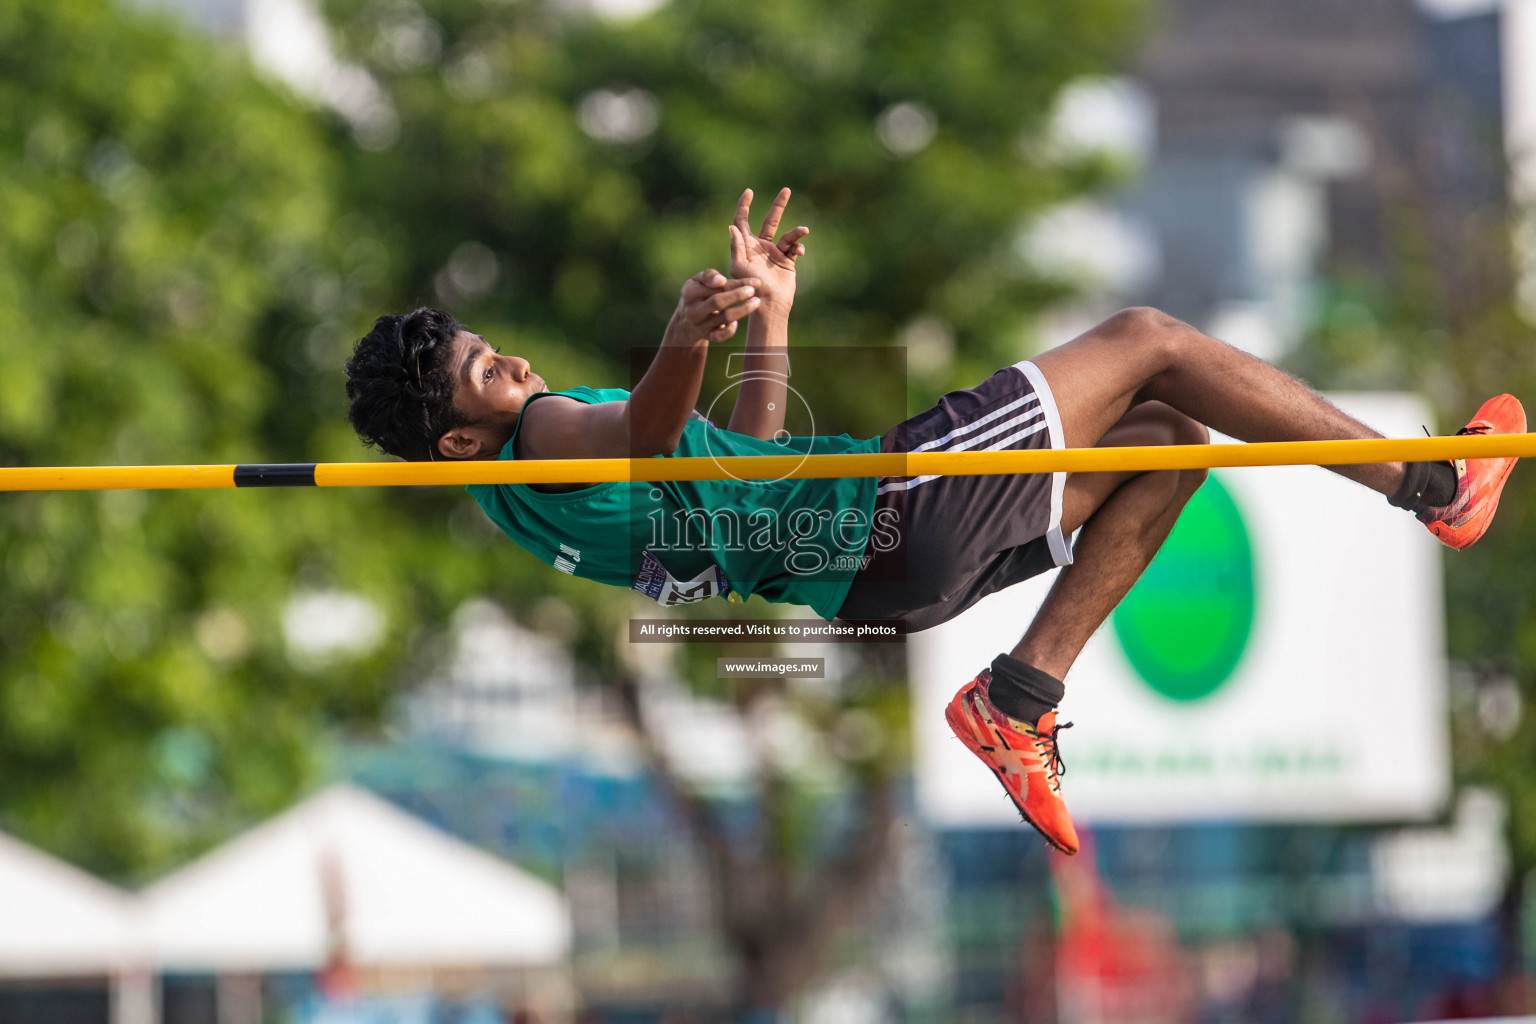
(401, 386)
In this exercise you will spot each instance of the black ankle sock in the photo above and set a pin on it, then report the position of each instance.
(1022, 691)
(1426, 485)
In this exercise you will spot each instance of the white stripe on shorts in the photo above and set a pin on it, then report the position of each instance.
(1061, 547)
(980, 421)
(1031, 416)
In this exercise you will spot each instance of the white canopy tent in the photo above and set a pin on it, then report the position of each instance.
(347, 870)
(56, 920)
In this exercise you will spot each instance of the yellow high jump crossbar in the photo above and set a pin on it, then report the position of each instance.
(769, 467)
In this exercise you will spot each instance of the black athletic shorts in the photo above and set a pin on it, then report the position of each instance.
(959, 538)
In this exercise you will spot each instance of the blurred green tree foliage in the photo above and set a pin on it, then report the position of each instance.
(555, 175)
(169, 246)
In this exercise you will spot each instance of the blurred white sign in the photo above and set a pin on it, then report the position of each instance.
(1282, 660)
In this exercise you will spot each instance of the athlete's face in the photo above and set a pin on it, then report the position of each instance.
(490, 389)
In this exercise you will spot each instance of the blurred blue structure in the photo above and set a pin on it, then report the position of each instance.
(1273, 923)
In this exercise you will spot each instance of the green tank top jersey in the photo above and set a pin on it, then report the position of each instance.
(792, 541)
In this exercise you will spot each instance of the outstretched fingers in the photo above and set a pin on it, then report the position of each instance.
(775, 212)
(743, 211)
(790, 245)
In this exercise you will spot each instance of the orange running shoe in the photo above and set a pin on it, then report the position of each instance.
(1025, 760)
(1479, 482)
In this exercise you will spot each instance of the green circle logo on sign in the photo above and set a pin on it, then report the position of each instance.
(1186, 622)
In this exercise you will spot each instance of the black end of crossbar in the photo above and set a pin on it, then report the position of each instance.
(282, 474)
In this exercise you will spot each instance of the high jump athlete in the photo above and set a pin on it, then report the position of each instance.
(917, 549)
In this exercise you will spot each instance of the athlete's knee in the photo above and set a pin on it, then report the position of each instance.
(1141, 342)
(1145, 323)
(1151, 337)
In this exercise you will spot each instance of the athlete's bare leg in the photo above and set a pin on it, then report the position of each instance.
(1139, 378)
(1141, 354)
(1125, 517)
(1142, 377)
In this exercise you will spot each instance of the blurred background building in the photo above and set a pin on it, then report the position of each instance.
(1276, 141)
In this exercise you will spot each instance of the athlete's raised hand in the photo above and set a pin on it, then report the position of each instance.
(711, 304)
(760, 256)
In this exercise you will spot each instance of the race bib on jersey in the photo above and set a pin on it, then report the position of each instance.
(662, 587)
